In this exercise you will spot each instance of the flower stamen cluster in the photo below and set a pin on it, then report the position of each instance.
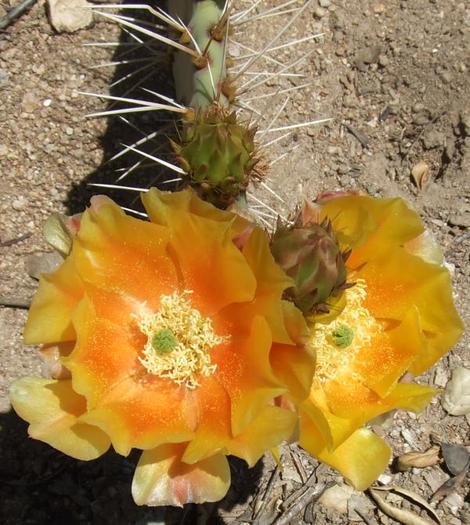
(179, 341)
(337, 342)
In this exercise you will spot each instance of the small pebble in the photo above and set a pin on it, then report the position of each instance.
(383, 60)
(47, 102)
(320, 12)
(3, 78)
(324, 3)
(19, 203)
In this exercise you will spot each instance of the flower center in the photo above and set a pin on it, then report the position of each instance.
(337, 342)
(179, 341)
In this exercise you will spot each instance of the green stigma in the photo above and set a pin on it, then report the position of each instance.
(164, 342)
(342, 336)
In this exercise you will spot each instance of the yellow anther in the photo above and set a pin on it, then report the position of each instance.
(179, 341)
(337, 342)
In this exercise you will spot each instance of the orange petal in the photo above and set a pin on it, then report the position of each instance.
(212, 409)
(271, 283)
(371, 226)
(106, 353)
(213, 268)
(161, 478)
(50, 315)
(124, 255)
(271, 426)
(143, 414)
(244, 370)
(294, 367)
(392, 292)
(135, 409)
(52, 408)
(361, 458)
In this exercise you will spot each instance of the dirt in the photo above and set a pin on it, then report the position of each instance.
(394, 78)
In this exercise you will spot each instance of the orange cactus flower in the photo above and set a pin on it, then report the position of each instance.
(397, 318)
(169, 338)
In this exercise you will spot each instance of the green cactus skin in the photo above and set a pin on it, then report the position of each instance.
(219, 155)
(217, 152)
(195, 83)
(311, 255)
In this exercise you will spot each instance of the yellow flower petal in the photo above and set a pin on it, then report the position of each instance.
(50, 316)
(168, 208)
(392, 293)
(390, 354)
(360, 459)
(371, 227)
(53, 409)
(271, 426)
(244, 370)
(333, 429)
(271, 283)
(161, 478)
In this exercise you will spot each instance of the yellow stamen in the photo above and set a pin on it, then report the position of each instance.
(337, 342)
(179, 340)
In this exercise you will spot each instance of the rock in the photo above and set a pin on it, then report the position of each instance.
(4, 76)
(19, 203)
(383, 60)
(421, 118)
(440, 377)
(320, 12)
(465, 120)
(362, 504)
(433, 139)
(378, 8)
(336, 498)
(367, 55)
(69, 15)
(461, 219)
(324, 3)
(456, 398)
(29, 103)
(455, 502)
(434, 478)
(385, 479)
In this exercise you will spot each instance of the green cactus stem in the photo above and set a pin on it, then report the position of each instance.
(217, 152)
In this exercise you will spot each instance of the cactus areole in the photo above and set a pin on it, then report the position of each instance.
(310, 254)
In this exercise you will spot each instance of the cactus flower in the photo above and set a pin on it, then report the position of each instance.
(168, 338)
(398, 318)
